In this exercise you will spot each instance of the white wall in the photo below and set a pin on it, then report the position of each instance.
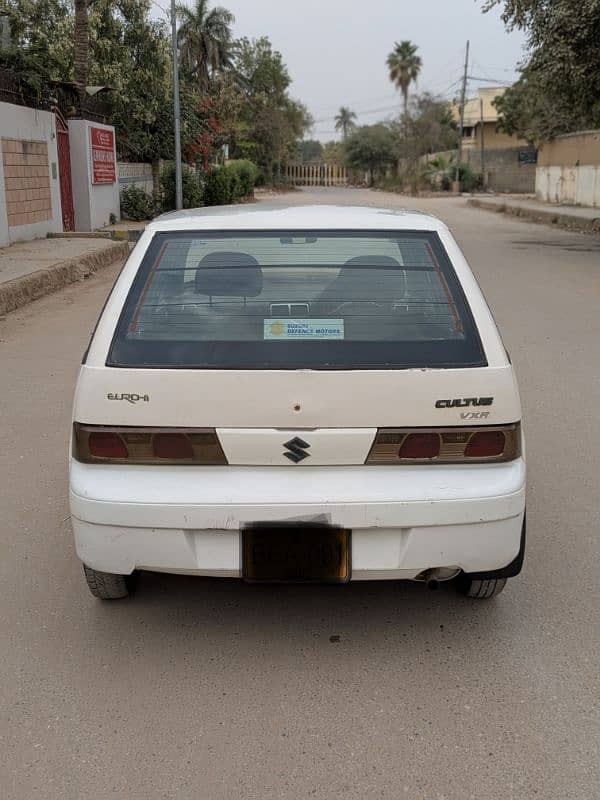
(30, 124)
(136, 173)
(570, 185)
(94, 203)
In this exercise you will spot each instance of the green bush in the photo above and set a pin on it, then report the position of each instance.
(469, 180)
(192, 188)
(136, 204)
(247, 173)
(216, 187)
(230, 184)
(234, 189)
(445, 183)
(436, 172)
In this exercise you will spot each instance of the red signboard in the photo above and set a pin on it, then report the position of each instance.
(103, 155)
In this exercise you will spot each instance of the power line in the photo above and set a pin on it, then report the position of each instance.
(487, 80)
(489, 68)
(361, 113)
(496, 69)
(164, 10)
(382, 109)
(454, 84)
(323, 109)
(365, 112)
(485, 73)
(432, 88)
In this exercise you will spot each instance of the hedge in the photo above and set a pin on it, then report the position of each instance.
(231, 183)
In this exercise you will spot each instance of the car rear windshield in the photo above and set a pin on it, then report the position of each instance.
(296, 299)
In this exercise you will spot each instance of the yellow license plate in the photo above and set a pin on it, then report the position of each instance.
(296, 554)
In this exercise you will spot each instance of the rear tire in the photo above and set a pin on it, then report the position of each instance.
(106, 585)
(481, 589)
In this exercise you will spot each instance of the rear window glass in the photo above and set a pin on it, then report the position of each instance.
(289, 300)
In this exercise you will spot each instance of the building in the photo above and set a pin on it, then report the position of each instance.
(482, 115)
(58, 168)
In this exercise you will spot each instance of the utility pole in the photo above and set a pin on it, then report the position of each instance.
(483, 181)
(463, 96)
(176, 112)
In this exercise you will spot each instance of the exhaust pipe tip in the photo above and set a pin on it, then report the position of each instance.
(436, 575)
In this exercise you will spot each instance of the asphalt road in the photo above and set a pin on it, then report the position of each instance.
(197, 688)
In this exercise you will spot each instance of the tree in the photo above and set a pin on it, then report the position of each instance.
(404, 66)
(81, 45)
(40, 47)
(558, 88)
(204, 39)
(333, 153)
(345, 121)
(270, 122)
(528, 110)
(236, 95)
(428, 127)
(130, 53)
(370, 148)
(261, 68)
(310, 150)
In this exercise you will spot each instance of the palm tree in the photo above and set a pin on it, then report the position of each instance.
(344, 121)
(81, 40)
(436, 169)
(204, 39)
(404, 65)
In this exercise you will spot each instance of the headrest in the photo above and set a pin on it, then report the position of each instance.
(225, 274)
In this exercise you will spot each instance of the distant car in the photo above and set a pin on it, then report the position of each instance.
(312, 394)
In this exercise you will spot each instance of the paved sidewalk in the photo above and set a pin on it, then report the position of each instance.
(127, 229)
(580, 218)
(29, 270)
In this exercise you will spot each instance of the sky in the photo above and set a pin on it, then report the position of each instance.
(336, 50)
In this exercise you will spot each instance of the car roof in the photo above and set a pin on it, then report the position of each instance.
(266, 216)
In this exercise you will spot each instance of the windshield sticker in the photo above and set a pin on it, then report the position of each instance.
(304, 329)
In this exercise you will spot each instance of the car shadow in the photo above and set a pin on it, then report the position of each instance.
(228, 614)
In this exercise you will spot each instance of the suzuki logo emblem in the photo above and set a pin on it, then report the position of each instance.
(296, 450)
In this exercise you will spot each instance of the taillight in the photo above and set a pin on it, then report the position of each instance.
(104, 444)
(420, 445)
(172, 446)
(485, 444)
(446, 445)
(94, 444)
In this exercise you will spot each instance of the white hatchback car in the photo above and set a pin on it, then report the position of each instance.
(310, 394)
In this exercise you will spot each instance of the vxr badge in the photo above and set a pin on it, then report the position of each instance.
(296, 450)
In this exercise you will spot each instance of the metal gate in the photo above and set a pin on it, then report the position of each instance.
(316, 173)
(64, 172)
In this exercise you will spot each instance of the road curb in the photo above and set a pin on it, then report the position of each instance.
(550, 216)
(20, 291)
(79, 235)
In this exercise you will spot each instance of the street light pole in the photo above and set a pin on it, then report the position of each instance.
(176, 112)
(483, 180)
(463, 94)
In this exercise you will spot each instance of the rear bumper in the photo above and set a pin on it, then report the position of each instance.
(402, 520)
